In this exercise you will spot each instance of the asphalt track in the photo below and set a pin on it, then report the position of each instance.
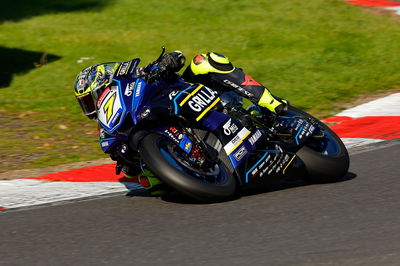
(352, 222)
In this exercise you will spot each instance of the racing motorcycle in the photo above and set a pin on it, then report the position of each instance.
(209, 151)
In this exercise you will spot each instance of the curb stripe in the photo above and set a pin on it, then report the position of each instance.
(377, 3)
(337, 119)
(101, 173)
(377, 127)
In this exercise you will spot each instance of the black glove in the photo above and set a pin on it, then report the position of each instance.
(282, 109)
(124, 157)
(171, 62)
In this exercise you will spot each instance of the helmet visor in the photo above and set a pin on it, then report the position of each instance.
(87, 105)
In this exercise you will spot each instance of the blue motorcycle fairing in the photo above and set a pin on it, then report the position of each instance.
(127, 68)
(112, 108)
(268, 163)
(195, 102)
(128, 99)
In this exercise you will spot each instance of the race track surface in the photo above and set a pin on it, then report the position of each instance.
(352, 222)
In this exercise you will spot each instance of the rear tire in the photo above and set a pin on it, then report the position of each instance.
(158, 160)
(323, 168)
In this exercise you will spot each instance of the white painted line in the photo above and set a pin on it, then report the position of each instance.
(386, 106)
(26, 192)
(394, 8)
(355, 142)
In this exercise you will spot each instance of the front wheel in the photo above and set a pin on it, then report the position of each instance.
(167, 161)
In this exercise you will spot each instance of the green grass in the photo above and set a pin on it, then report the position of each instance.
(318, 54)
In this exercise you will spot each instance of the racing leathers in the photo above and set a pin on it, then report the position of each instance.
(217, 72)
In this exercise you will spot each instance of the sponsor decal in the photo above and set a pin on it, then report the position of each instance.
(123, 70)
(138, 88)
(256, 136)
(188, 145)
(116, 116)
(104, 144)
(129, 89)
(256, 168)
(237, 87)
(201, 100)
(109, 107)
(236, 140)
(102, 96)
(229, 127)
(184, 142)
(171, 135)
(173, 94)
(305, 129)
(250, 81)
(270, 163)
(240, 153)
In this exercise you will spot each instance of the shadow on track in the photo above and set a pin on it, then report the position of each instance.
(278, 185)
(20, 61)
(288, 184)
(22, 9)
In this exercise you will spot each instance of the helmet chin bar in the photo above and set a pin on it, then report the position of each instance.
(92, 116)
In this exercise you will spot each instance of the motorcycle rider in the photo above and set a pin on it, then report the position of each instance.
(212, 69)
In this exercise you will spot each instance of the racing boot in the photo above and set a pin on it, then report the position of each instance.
(151, 183)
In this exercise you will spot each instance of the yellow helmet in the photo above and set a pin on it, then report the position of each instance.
(89, 85)
(211, 63)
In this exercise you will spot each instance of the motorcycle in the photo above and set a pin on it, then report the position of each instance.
(209, 151)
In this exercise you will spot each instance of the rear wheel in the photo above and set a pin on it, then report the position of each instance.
(326, 158)
(167, 161)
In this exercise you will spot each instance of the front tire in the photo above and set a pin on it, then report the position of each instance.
(156, 154)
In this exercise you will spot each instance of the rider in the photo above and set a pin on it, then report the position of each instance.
(212, 69)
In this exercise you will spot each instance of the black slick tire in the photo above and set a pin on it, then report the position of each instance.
(180, 180)
(323, 168)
